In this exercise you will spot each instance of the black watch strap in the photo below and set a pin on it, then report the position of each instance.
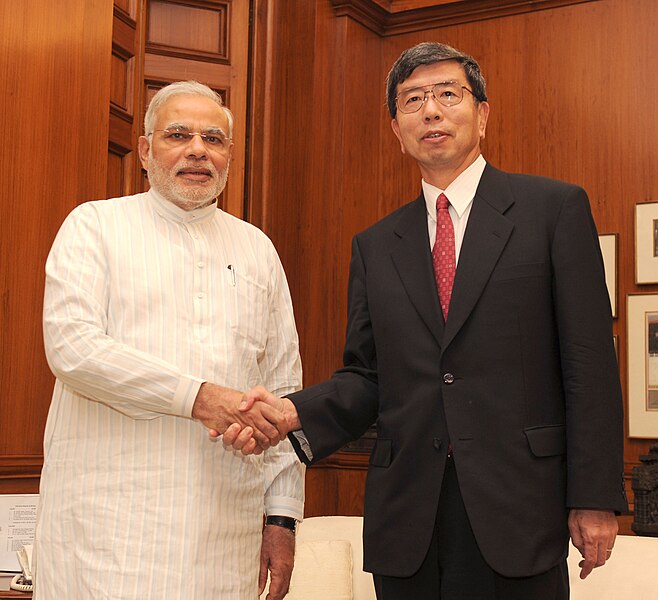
(286, 522)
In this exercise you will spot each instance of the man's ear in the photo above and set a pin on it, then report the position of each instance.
(143, 147)
(483, 116)
(396, 130)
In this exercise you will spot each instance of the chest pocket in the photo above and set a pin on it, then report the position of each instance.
(248, 309)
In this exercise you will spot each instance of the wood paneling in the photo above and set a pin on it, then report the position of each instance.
(125, 98)
(194, 30)
(51, 57)
(396, 17)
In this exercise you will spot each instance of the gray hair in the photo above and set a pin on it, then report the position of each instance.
(179, 88)
(428, 53)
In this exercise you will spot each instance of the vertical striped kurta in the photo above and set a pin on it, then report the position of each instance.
(143, 303)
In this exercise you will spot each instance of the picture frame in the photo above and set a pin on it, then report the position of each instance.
(642, 315)
(646, 243)
(609, 245)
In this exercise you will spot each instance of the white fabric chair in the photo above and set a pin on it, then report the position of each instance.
(329, 559)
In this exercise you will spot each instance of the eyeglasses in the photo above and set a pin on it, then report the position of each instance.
(178, 137)
(447, 93)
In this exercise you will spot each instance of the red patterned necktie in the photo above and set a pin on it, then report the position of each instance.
(443, 253)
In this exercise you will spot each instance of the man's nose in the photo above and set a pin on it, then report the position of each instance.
(432, 108)
(196, 146)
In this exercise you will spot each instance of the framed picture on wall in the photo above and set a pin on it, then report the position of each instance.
(646, 242)
(608, 243)
(643, 365)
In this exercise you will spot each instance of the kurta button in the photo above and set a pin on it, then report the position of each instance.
(448, 378)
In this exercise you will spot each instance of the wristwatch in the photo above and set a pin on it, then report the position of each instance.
(285, 522)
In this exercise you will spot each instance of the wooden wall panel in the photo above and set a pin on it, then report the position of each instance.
(125, 97)
(189, 29)
(51, 54)
(566, 103)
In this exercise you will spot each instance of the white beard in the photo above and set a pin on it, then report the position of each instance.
(187, 197)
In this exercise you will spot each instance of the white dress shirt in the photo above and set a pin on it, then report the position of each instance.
(460, 194)
(143, 303)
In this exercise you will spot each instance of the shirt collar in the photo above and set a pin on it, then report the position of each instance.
(171, 212)
(460, 192)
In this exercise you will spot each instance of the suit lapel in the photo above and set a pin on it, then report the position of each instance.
(413, 262)
(485, 237)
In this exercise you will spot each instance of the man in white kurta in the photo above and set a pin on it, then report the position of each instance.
(145, 301)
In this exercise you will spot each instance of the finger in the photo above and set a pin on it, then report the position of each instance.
(586, 567)
(242, 439)
(251, 447)
(609, 547)
(264, 430)
(262, 577)
(231, 434)
(213, 433)
(276, 588)
(601, 555)
(588, 563)
(250, 397)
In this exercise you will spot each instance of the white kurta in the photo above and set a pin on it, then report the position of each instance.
(143, 302)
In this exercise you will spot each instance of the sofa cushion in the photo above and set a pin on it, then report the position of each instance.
(323, 569)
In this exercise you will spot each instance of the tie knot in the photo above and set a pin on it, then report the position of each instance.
(442, 202)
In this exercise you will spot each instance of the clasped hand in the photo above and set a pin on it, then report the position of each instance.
(258, 421)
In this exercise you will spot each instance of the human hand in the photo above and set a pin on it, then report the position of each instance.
(218, 407)
(242, 438)
(593, 532)
(277, 555)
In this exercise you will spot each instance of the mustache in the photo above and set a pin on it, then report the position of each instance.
(200, 165)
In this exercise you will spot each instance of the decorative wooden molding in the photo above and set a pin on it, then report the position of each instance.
(396, 17)
(220, 55)
(127, 18)
(21, 466)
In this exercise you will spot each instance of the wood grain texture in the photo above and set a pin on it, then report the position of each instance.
(54, 158)
(396, 17)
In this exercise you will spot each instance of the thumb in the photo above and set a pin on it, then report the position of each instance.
(247, 402)
(250, 397)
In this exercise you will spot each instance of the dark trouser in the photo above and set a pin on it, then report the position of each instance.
(455, 570)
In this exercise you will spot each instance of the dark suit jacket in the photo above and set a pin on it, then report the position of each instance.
(522, 379)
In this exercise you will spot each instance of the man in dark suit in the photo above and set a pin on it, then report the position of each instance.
(496, 398)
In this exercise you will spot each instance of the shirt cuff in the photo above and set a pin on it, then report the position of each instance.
(283, 506)
(301, 445)
(185, 396)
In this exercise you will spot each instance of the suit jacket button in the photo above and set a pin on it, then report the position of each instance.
(448, 378)
(436, 443)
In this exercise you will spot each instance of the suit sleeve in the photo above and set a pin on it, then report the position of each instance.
(340, 410)
(590, 373)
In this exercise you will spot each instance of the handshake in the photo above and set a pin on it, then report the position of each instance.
(249, 422)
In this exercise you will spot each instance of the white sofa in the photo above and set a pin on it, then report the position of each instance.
(329, 559)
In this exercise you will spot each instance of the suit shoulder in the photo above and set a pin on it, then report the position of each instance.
(538, 182)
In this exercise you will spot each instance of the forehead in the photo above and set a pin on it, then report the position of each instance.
(446, 70)
(192, 111)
